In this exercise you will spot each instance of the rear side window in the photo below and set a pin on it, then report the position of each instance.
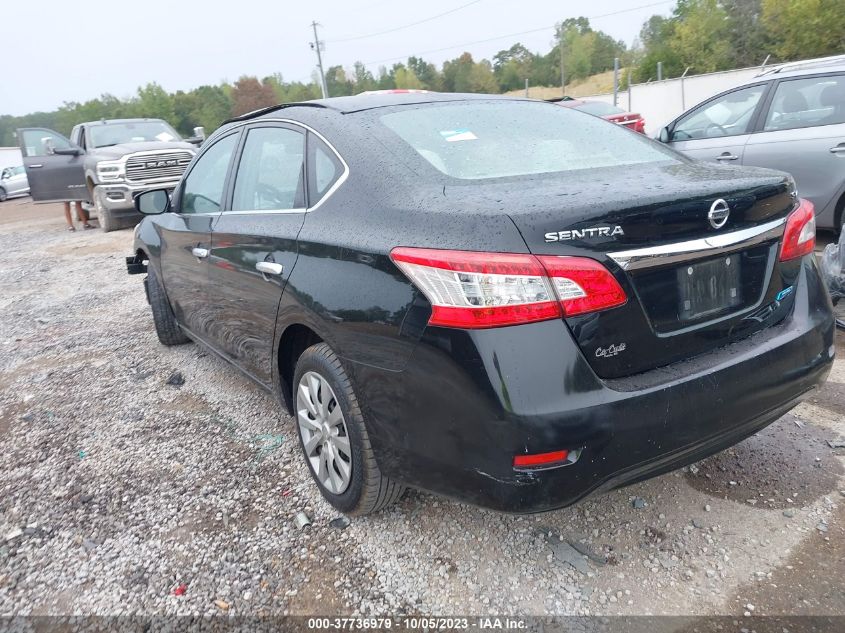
(324, 169)
(270, 172)
(807, 102)
(494, 139)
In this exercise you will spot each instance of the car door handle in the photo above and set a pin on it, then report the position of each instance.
(839, 149)
(40, 166)
(727, 156)
(200, 253)
(269, 268)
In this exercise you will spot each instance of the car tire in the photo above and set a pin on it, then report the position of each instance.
(3, 195)
(167, 329)
(320, 380)
(104, 217)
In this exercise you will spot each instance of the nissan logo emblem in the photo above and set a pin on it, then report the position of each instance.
(719, 214)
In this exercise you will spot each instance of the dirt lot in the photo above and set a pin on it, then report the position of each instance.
(124, 490)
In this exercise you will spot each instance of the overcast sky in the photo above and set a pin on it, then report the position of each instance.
(60, 50)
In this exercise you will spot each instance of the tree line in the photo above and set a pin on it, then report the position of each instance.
(700, 35)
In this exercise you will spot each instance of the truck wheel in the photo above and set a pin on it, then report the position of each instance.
(169, 332)
(3, 195)
(333, 437)
(107, 222)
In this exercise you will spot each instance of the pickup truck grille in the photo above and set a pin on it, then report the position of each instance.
(151, 167)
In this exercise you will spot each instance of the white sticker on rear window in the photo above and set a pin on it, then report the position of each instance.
(458, 135)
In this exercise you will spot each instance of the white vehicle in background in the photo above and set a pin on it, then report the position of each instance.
(13, 182)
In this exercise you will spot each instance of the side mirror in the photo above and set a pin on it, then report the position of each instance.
(153, 202)
(664, 136)
(67, 151)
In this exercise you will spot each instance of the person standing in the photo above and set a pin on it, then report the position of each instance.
(81, 216)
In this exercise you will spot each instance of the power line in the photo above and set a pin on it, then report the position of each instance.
(404, 26)
(501, 37)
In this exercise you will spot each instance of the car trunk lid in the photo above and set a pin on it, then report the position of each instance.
(695, 279)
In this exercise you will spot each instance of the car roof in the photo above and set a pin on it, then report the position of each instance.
(376, 99)
(835, 63)
(110, 121)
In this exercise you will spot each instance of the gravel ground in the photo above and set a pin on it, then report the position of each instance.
(123, 491)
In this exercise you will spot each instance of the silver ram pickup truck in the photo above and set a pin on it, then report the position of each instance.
(105, 163)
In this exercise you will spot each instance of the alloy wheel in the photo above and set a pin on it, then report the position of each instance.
(325, 437)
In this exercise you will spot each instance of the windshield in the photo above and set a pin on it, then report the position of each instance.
(493, 139)
(131, 132)
(598, 108)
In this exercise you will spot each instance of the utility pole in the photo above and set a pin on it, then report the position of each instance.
(615, 79)
(562, 75)
(317, 46)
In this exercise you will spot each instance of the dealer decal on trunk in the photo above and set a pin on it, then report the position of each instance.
(610, 350)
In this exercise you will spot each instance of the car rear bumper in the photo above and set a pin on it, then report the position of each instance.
(468, 402)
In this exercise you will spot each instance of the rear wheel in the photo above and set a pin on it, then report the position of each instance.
(333, 437)
(167, 329)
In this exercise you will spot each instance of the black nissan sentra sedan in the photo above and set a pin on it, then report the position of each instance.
(499, 300)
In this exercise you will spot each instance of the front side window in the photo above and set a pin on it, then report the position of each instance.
(807, 102)
(270, 172)
(42, 142)
(493, 139)
(202, 191)
(728, 115)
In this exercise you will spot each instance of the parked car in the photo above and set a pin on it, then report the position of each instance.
(499, 300)
(791, 117)
(631, 120)
(105, 163)
(13, 182)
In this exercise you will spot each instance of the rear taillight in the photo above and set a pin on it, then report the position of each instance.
(799, 236)
(482, 290)
(639, 126)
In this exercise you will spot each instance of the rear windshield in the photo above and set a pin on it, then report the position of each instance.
(494, 139)
(598, 108)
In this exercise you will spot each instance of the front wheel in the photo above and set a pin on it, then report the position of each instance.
(167, 329)
(3, 195)
(333, 437)
(104, 217)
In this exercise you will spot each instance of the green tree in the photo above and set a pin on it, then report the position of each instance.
(702, 36)
(363, 78)
(798, 29)
(426, 72)
(153, 102)
(512, 67)
(337, 83)
(405, 78)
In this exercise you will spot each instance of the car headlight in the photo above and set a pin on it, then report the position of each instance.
(110, 170)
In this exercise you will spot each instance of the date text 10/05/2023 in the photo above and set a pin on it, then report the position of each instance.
(411, 623)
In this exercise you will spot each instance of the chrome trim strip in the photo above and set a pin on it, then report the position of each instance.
(262, 212)
(332, 189)
(710, 246)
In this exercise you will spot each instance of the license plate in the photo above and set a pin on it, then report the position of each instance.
(709, 287)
